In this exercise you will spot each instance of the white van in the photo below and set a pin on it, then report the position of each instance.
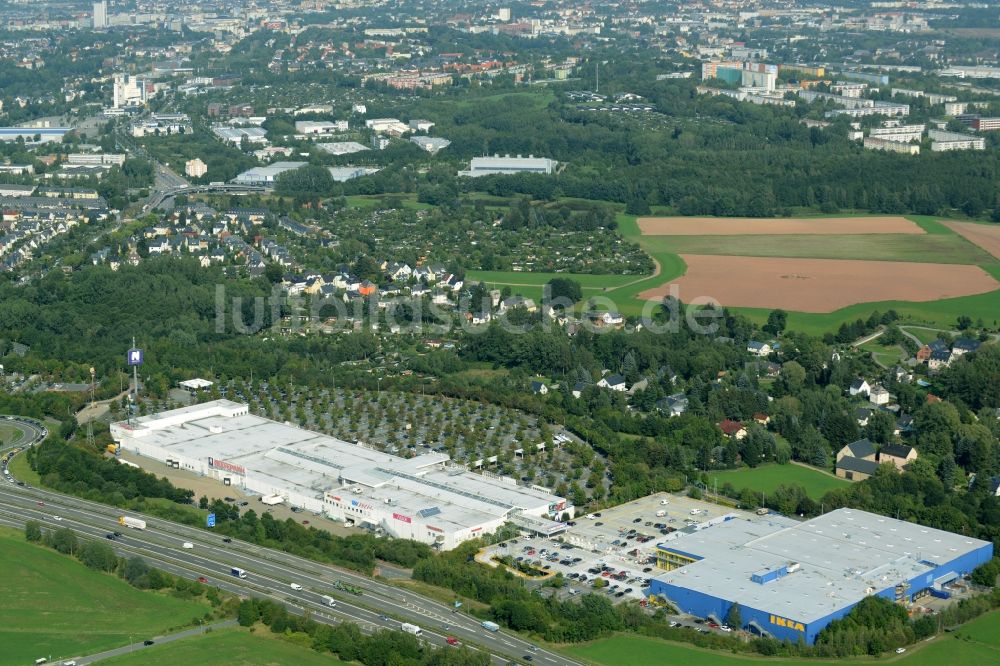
(661, 513)
(188, 545)
(664, 502)
(296, 586)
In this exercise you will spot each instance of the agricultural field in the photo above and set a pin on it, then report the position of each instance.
(53, 605)
(767, 478)
(821, 285)
(735, 226)
(980, 648)
(939, 240)
(229, 646)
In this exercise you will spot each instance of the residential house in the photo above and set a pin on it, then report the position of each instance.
(859, 387)
(759, 348)
(963, 346)
(579, 388)
(517, 301)
(640, 385)
(733, 429)
(879, 395)
(899, 455)
(938, 359)
(614, 382)
(675, 404)
(861, 415)
(539, 388)
(856, 461)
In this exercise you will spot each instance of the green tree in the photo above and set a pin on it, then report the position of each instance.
(563, 289)
(33, 530)
(734, 618)
(98, 556)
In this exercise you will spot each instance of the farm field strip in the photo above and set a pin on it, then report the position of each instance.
(821, 285)
(742, 226)
(940, 249)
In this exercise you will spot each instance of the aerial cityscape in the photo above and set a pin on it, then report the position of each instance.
(400, 333)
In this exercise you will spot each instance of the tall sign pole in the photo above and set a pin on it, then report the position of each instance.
(134, 359)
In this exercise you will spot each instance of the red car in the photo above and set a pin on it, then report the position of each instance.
(713, 625)
(605, 574)
(305, 522)
(451, 640)
(41, 504)
(202, 579)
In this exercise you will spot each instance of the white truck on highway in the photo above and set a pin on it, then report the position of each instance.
(411, 629)
(491, 626)
(239, 573)
(134, 523)
(329, 601)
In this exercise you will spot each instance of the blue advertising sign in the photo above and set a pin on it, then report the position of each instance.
(210, 520)
(134, 357)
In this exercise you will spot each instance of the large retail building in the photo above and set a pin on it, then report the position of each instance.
(793, 578)
(427, 498)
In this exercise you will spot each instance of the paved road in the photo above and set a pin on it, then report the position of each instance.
(269, 573)
(157, 640)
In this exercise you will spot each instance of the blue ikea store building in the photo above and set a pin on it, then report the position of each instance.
(791, 579)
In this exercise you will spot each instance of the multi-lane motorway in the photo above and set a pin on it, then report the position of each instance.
(270, 573)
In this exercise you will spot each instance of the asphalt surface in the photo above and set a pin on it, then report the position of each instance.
(139, 645)
(269, 574)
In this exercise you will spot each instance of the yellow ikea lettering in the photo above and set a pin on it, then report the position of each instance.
(788, 624)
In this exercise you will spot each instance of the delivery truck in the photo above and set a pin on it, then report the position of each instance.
(239, 573)
(271, 500)
(133, 523)
(491, 626)
(411, 629)
(329, 601)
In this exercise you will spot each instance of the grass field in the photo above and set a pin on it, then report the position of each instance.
(22, 471)
(53, 605)
(977, 644)
(767, 478)
(938, 248)
(887, 356)
(234, 647)
(9, 434)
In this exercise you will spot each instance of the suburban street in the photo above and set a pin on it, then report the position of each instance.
(269, 573)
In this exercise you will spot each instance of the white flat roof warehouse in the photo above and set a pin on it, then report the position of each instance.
(426, 497)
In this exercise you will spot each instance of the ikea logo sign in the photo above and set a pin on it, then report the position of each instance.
(788, 624)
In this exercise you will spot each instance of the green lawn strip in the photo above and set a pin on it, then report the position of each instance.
(234, 647)
(9, 434)
(925, 335)
(21, 470)
(942, 313)
(586, 280)
(53, 605)
(933, 248)
(767, 478)
(641, 651)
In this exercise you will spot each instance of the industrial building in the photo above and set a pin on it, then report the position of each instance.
(426, 498)
(791, 579)
(29, 134)
(489, 166)
(266, 175)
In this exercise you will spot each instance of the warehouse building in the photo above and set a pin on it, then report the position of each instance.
(496, 165)
(266, 175)
(426, 498)
(791, 579)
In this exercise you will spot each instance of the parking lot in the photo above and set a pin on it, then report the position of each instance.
(616, 545)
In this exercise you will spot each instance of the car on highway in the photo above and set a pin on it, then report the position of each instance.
(117, 534)
(109, 535)
(226, 540)
(295, 586)
(451, 640)
(57, 518)
(147, 642)
(41, 504)
(187, 545)
(528, 657)
(202, 579)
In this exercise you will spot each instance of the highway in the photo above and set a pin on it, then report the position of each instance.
(269, 573)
